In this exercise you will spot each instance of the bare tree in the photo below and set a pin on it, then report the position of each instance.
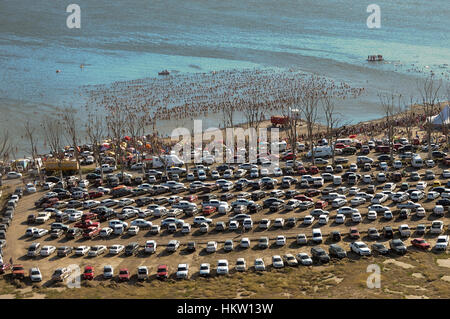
(53, 133)
(429, 93)
(5, 148)
(95, 129)
(72, 134)
(116, 123)
(391, 105)
(30, 135)
(334, 121)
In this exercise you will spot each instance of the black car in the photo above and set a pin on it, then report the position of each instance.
(443, 202)
(404, 213)
(291, 221)
(438, 154)
(254, 208)
(191, 246)
(93, 176)
(336, 235)
(31, 219)
(52, 179)
(388, 232)
(141, 201)
(18, 191)
(222, 168)
(226, 197)
(349, 151)
(421, 229)
(291, 193)
(380, 248)
(74, 232)
(61, 217)
(256, 184)
(327, 190)
(131, 248)
(220, 226)
(384, 158)
(207, 197)
(286, 184)
(319, 254)
(258, 195)
(398, 246)
(74, 203)
(64, 251)
(337, 251)
(268, 202)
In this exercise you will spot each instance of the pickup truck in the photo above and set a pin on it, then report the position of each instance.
(91, 232)
(60, 274)
(86, 224)
(18, 272)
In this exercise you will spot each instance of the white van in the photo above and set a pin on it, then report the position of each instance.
(417, 162)
(281, 146)
(150, 247)
(346, 141)
(321, 151)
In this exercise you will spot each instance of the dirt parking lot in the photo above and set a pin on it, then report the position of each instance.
(18, 243)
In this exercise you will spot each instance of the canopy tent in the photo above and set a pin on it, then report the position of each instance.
(443, 118)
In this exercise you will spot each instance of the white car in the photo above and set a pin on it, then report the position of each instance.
(42, 217)
(13, 175)
(30, 188)
(106, 232)
(442, 243)
(205, 270)
(182, 271)
(38, 233)
(279, 222)
(142, 273)
(97, 250)
(360, 248)
(82, 250)
(356, 217)
(353, 190)
(388, 215)
(277, 262)
(347, 210)
(150, 246)
(421, 185)
(372, 215)
(47, 250)
(133, 230)
(90, 204)
(211, 247)
(432, 195)
(245, 242)
(430, 163)
(338, 202)
(280, 240)
(436, 227)
(241, 265)
(75, 216)
(35, 274)
(446, 173)
(308, 220)
(108, 271)
(323, 219)
(317, 235)
(141, 223)
(379, 198)
(264, 223)
(340, 219)
(222, 267)
(357, 201)
(304, 259)
(125, 202)
(259, 264)
(397, 164)
(116, 249)
(277, 171)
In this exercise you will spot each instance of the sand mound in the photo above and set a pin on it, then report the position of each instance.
(398, 263)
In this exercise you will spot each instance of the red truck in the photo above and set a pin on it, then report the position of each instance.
(18, 271)
(86, 224)
(88, 215)
(91, 232)
(88, 273)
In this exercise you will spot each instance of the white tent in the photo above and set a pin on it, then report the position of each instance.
(443, 118)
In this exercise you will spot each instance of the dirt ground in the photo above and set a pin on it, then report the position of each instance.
(344, 278)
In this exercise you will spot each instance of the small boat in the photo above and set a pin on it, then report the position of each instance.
(375, 58)
(164, 72)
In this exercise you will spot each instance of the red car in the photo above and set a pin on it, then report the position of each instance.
(18, 271)
(420, 243)
(91, 232)
(288, 156)
(88, 215)
(95, 194)
(88, 273)
(302, 170)
(321, 204)
(312, 192)
(124, 274)
(162, 272)
(191, 198)
(303, 198)
(354, 233)
(208, 210)
(86, 224)
(313, 170)
(340, 145)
